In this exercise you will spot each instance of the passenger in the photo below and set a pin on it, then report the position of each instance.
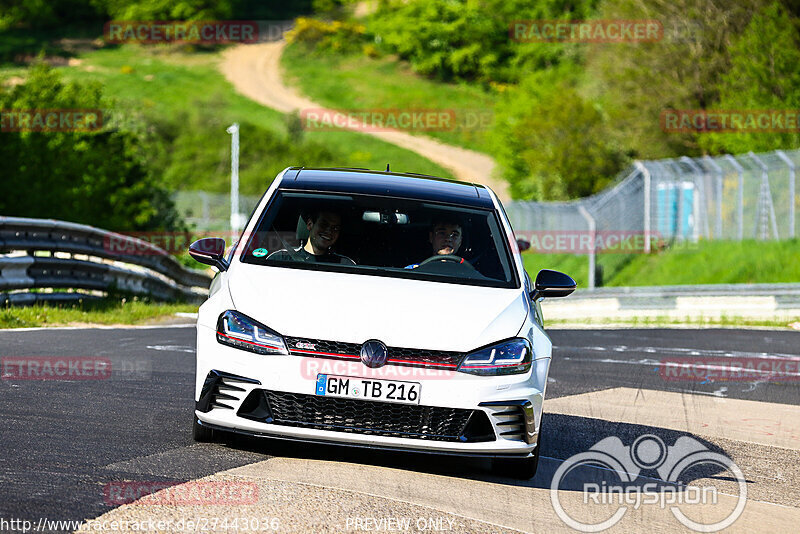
(324, 228)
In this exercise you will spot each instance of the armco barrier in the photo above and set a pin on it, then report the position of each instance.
(154, 273)
(755, 301)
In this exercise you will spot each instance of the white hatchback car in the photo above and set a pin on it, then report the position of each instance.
(379, 310)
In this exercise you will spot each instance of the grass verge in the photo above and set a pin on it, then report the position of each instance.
(358, 82)
(182, 89)
(166, 80)
(105, 312)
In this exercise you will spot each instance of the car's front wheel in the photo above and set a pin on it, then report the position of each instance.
(520, 468)
(202, 434)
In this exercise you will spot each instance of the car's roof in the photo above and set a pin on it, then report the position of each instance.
(403, 185)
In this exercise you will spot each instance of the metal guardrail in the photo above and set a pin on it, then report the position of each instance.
(710, 290)
(762, 301)
(158, 274)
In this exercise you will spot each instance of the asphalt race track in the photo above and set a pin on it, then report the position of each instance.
(65, 441)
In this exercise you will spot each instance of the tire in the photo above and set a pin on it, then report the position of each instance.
(202, 434)
(519, 468)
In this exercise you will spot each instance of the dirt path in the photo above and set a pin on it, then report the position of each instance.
(255, 72)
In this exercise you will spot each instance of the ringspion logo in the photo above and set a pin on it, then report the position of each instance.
(623, 486)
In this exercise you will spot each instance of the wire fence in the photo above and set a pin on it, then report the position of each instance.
(748, 196)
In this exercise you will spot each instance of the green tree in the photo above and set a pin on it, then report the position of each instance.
(764, 75)
(168, 9)
(469, 39)
(49, 13)
(550, 142)
(94, 177)
(636, 82)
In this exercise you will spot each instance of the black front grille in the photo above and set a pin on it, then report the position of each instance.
(377, 418)
(320, 345)
(425, 356)
(397, 355)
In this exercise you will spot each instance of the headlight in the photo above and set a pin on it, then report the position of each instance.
(506, 358)
(238, 330)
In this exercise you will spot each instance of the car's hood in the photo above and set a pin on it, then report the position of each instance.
(354, 308)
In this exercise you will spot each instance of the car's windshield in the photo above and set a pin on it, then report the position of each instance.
(382, 236)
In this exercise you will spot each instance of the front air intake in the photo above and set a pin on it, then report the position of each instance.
(514, 419)
(221, 390)
(368, 417)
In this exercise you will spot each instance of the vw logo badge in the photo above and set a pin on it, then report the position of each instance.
(374, 353)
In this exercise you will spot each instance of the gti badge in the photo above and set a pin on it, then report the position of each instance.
(374, 353)
(308, 346)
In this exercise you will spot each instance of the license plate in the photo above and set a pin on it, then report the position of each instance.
(368, 389)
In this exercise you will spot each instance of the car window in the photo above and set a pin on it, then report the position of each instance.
(382, 236)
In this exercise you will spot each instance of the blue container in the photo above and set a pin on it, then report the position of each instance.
(675, 205)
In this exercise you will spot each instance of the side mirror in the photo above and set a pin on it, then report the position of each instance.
(552, 284)
(523, 244)
(210, 251)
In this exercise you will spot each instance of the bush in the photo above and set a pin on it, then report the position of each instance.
(442, 38)
(48, 13)
(466, 40)
(168, 9)
(96, 177)
(551, 143)
(336, 36)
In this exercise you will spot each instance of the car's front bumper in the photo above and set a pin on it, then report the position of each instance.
(373, 446)
(506, 401)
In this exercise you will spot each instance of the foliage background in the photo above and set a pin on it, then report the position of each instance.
(567, 117)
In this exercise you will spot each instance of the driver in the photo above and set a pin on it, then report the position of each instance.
(323, 231)
(445, 238)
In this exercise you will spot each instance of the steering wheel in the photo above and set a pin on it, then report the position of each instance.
(444, 257)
